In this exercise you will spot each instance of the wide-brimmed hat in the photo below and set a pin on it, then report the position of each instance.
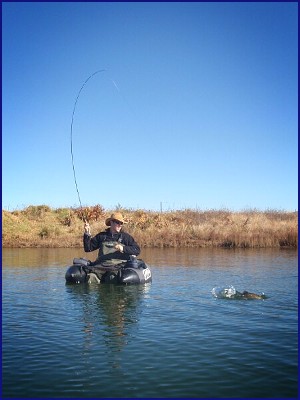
(117, 216)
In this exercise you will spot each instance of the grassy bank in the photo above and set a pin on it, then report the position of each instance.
(41, 226)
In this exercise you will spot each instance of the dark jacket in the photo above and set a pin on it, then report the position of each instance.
(94, 243)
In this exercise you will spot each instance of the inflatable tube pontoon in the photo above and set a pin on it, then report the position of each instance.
(131, 272)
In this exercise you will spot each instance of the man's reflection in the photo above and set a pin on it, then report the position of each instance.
(110, 313)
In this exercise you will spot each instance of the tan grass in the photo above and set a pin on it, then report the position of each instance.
(41, 226)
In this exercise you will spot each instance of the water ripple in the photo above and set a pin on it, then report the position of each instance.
(171, 338)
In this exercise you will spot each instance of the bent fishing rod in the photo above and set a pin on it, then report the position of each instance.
(72, 122)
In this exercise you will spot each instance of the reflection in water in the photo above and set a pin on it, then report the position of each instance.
(38, 257)
(109, 314)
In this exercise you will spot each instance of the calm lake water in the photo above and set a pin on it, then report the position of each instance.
(170, 338)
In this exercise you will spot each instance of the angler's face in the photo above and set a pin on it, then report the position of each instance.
(115, 226)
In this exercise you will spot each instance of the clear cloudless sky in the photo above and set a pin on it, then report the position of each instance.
(197, 106)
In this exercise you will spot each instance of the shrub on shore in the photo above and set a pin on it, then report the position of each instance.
(41, 226)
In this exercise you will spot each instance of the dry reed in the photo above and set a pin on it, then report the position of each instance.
(41, 226)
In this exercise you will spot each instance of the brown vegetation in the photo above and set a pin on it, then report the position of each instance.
(41, 226)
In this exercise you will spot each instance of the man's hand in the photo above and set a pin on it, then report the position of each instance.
(87, 228)
(119, 247)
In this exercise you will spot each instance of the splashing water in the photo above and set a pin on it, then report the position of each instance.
(222, 293)
(231, 293)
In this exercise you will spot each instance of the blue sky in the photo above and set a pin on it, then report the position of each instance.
(197, 106)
